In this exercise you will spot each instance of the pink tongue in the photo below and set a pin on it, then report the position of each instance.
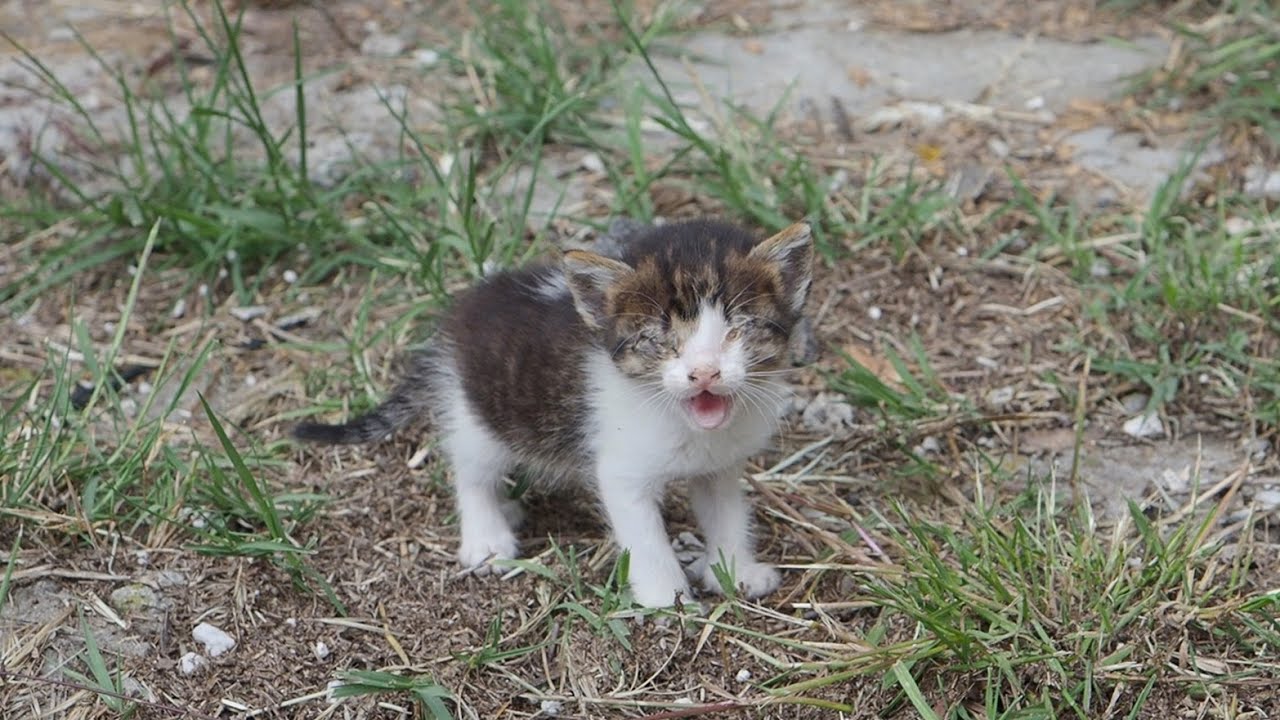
(710, 411)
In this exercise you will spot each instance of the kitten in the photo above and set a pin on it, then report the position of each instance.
(625, 374)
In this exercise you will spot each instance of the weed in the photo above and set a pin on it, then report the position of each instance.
(427, 695)
(111, 685)
(1043, 612)
(1226, 70)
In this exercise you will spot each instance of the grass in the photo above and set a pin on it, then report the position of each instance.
(1232, 51)
(1002, 596)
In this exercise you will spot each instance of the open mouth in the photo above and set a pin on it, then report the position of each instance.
(708, 410)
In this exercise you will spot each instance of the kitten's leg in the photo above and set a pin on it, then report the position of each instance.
(725, 516)
(635, 514)
(479, 461)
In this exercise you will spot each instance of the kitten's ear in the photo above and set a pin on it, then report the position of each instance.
(791, 251)
(589, 276)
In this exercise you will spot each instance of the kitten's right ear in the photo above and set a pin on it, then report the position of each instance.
(590, 276)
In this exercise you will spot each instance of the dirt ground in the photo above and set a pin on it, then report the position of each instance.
(385, 540)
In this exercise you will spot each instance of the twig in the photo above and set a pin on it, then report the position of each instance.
(698, 710)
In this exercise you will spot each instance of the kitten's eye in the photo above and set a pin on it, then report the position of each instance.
(645, 343)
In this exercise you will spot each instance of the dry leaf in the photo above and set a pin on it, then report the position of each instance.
(878, 365)
(929, 153)
(859, 75)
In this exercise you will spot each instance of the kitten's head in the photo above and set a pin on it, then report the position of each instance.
(700, 310)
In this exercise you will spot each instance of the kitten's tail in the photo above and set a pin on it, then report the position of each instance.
(409, 401)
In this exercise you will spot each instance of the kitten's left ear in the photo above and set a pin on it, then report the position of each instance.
(791, 251)
(589, 276)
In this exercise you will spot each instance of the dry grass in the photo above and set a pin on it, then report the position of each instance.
(951, 547)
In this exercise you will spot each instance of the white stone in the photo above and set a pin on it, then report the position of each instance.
(320, 649)
(179, 308)
(425, 57)
(248, 312)
(1267, 500)
(1259, 182)
(214, 640)
(874, 312)
(1146, 425)
(191, 663)
(743, 675)
(290, 276)
(551, 708)
(1000, 397)
(591, 162)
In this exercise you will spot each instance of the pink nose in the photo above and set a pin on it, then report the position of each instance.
(702, 377)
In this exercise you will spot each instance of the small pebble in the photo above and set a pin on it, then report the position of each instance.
(290, 276)
(1260, 182)
(250, 380)
(291, 622)
(425, 57)
(191, 663)
(249, 312)
(1267, 500)
(320, 649)
(1146, 425)
(214, 640)
(202, 291)
(874, 312)
(551, 708)
(743, 675)
(133, 598)
(1000, 397)
(591, 162)
(232, 255)
(329, 691)
(145, 388)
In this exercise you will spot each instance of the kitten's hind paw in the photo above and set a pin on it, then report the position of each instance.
(753, 580)
(475, 557)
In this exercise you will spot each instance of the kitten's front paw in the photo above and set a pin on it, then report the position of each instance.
(475, 555)
(659, 590)
(754, 579)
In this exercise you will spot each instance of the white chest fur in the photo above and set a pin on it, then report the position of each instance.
(638, 427)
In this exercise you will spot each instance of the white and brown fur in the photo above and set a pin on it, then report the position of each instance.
(584, 371)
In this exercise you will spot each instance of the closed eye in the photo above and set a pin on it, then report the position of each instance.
(756, 322)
